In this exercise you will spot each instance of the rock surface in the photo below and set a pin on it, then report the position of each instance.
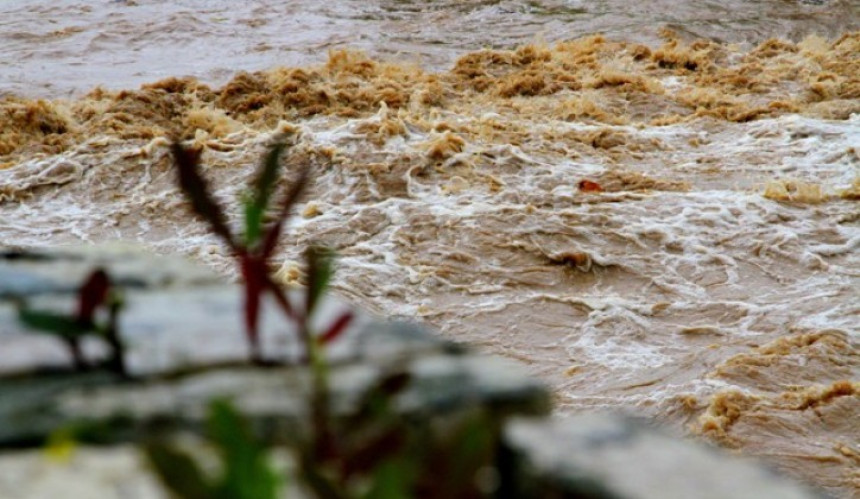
(176, 313)
(183, 330)
(604, 455)
(31, 408)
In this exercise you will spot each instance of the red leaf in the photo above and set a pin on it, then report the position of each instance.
(338, 327)
(589, 186)
(92, 294)
(281, 298)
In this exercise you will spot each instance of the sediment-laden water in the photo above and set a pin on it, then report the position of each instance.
(660, 219)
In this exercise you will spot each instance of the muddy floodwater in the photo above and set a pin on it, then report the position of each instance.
(652, 205)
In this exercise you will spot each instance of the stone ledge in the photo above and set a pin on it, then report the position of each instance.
(273, 398)
(177, 314)
(611, 456)
(182, 325)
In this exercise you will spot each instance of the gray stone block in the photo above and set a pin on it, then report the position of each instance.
(274, 398)
(176, 314)
(34, 271)
(610, 456)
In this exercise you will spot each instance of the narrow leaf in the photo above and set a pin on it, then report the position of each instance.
(281, 298)
(319, 274)
(337, 327)
(196, 189)
(254, 275)
(270, 239)
(178, 472)
(247, 473)
(53, 323)
(253, 219)
(92, 295)
(225, 425)
(258, 200)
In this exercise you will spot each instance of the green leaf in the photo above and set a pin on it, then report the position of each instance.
(253, 219)
(471, 448)
(247, 473)
(53, 323)
(391, 480)
(257, 201)
(178, 472)
(319, 274)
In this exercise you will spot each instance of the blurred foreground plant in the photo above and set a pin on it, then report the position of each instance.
(244, 472)
(376, 452)
(95, 293)
(255, 248)
(373, 451)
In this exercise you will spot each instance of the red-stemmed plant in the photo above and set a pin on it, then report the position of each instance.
(370, 452)
(96, 292)
(254, 249)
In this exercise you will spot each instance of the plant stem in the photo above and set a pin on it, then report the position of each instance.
(77, 355)
(117, 361)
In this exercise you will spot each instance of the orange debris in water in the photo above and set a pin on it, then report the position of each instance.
(589, 186)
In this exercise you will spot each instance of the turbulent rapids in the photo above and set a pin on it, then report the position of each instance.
(669, 229)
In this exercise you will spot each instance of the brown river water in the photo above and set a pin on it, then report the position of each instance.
(711, 284)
